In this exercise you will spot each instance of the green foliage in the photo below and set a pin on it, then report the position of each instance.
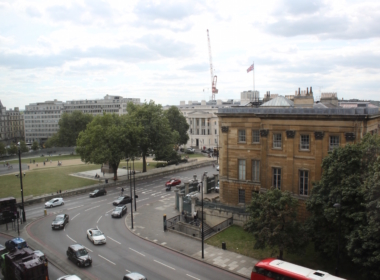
(178, 123)
(52, 141)
(107, 139)
(3, 151)
(70, 125)
(273, 222)
(35, 146)
(12, 150)
(23, 147)
(160, 164)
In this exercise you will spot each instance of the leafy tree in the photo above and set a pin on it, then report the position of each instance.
(12, 149)
(273, 222)
(52, 141)
(107, 139)
(178, 123)
(35, 146)
(23, 147)
(70, 125)
(155, 134)
(3, 151)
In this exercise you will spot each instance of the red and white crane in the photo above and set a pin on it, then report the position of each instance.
(214, 79)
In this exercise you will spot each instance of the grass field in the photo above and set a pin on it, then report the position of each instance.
(42, 159)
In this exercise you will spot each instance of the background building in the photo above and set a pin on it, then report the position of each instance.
(11, 125)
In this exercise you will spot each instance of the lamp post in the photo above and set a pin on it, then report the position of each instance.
(203, 238)
(130, 189)
(338, 206)
(22, 189)
(134, 182)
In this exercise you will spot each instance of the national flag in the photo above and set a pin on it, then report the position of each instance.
(250, 68)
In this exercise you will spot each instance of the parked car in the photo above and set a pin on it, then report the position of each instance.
(79, 255)
(134, 276)
(190, 151)
(99, 192)
(60, 221)
(17, 242)
(119, 211)
(54, 202)
(69, 277)
(181, 149)
(217, 167)
(204, 151)
(217, 187)
(96, 236)
(121, 200)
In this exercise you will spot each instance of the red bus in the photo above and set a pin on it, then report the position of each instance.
(274, 269)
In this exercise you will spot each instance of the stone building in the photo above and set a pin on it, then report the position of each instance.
(282, 143)
(11, 125)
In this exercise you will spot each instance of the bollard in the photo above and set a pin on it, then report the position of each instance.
(165, 227)
(45, 212)
(224, 245)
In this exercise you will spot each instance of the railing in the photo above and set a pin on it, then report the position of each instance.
(172, 221)
(215, 229)
(220, 206)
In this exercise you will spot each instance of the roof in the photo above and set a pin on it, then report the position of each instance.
(279, 101)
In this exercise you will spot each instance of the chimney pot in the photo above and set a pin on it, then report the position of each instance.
(299, 91)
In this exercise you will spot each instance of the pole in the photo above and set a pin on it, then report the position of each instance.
(337, 259)
(134, 182)
(203, 240)
(22, 189)
(130, 189)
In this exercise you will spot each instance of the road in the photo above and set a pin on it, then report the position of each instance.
(124, 251)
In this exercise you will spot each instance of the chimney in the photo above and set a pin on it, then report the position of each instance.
(311, 91)
(307, 91)
(299, 91)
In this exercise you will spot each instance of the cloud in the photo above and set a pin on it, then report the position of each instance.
(199, 67)
(166, 10)
(299, 7)
(33, 12)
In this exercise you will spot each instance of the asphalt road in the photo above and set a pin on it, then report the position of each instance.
(124, 251)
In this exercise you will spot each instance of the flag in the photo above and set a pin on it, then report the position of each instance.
(250, 68)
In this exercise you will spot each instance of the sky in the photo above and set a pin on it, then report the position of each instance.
(158, 50)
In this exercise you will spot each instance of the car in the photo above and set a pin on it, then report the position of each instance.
(96, 236)
(181, 149)
(79, 255)
(204, 151)
(54, 202)
(60, 221)
(40, 255)
(217, 167)
(173, 182)
(99, 192)
(17, 242)
(69, 277)
(121, 200)
(217, 187)
(119, 211)
(134, 276)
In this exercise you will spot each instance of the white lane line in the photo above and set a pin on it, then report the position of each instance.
(158, 187)
(99, 219)
(88, 249)
(41, 207)
(142, 199)
(193, 277)
(99, 201)
(128, 271)
(109, 211)
(113, 240)
(74, 207)
(71, 238)
(137, 252)
(155, 193)
(92, 208)
(165, 265)
(74, 216)
(107, 260)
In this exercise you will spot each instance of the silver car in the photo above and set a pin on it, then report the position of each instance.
(69, 277)
(54, 202)
(96, 236)
(134, 276)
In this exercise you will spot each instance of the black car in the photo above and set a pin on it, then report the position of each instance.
(79, 255)
(119, 211)
(60, 221)
(99, 192)
(121, 200)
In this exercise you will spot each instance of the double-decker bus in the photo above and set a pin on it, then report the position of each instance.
(274, 269)
(8, 209)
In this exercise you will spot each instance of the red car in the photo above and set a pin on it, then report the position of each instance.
(172, 182)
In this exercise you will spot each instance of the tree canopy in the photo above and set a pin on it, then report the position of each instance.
(35, 146)
(23, 147)
(12, 150)
(178, 123)
(273, 222)
(3, 151)
(107, 139)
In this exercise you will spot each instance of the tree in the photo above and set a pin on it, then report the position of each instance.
(13, 149)
(52, 141)
(155, 134)
(273, 222)
(70, 125)
(23, 147)
(35, 146)
(107, 139)
(178, 123)
(3, 151)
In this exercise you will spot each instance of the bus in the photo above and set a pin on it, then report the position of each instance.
(274, 269)
(8, 209)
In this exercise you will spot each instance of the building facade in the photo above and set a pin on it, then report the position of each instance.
(11, 125)
(283, 145)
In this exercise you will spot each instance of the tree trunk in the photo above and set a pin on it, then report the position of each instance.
(144, 162)
(115, 167)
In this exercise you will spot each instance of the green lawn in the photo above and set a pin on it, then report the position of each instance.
(41, 159)
(239, 241)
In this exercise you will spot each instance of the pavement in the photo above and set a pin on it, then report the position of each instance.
(148, 224)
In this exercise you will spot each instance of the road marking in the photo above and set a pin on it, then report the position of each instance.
(137, 252)
(74, 207)
(99, 219)
(71, 238)
(98, 201)
(113, 240)
(88, 249)
(192, 277)
(34, 208)
(164, 264)
(155, 193)
(128, 271)
(74, 216)
(142, 199)
(107, 260)
(109, 210)
(92, 208)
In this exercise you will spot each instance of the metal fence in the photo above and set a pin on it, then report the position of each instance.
(172, 221)
(223, 207)
(215, 229)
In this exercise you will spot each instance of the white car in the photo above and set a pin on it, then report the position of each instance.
(54, 202)
(217, 167)
(96, 236)
(69, 277)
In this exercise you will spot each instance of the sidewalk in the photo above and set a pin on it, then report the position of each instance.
(148, 224)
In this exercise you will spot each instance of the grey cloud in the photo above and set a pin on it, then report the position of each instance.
(33, 12)
(298, 7)
(167, 47)
(160, 24)
(199, 67)
(166, 10)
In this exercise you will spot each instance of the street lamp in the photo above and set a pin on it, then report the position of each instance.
(22, 189)
(338, 206)
(203, 238)
(134, 182)
(130, 189)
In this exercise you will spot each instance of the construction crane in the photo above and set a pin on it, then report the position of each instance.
(213, 78)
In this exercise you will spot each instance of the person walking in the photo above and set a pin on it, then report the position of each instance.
(122, 191)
